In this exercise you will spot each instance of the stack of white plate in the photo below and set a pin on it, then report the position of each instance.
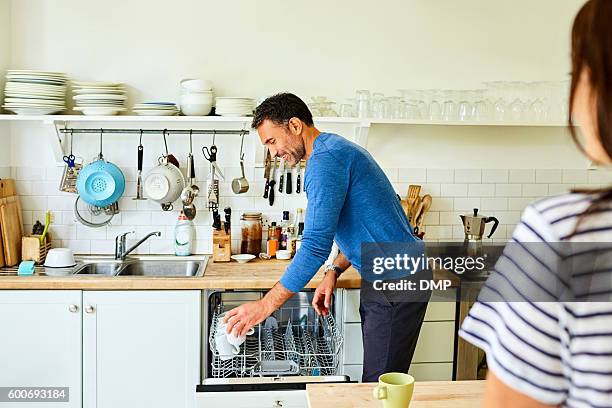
(234, 106)
(98, 98)
(155, 109)
(35, 92)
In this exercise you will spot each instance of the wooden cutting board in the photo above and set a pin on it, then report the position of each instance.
(12, 230)
(7, 188)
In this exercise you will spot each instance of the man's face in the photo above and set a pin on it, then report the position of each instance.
(283, 141)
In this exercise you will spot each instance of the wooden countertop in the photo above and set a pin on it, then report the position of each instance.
(257, 274)
(431, 394)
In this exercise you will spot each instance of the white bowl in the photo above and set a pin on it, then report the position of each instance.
(196, 85)
(197, 98)
(283, 254)
(60, 258)
(243, 258)
(196, 109)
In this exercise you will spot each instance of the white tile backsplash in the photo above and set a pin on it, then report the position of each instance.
(496, 192)
(575, 176)
(522, 176)
(468, 176)
(494, 176)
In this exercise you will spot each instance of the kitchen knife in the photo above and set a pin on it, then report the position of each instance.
(273, 182)
(267, 164)
(216, 219)
(282, 176)
(289, 174)
(298, 187)
(228, 219)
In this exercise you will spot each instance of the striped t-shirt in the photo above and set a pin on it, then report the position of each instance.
(559, 353)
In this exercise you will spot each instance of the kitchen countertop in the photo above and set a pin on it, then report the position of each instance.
(257, 274)
(431, 394)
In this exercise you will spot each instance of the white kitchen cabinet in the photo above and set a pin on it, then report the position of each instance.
(140, 348)
(40, 342)
(434, 353)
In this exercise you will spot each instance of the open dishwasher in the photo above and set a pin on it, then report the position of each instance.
(274, 364)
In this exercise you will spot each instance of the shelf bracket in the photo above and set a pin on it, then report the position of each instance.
(54, 138)
(361, 134)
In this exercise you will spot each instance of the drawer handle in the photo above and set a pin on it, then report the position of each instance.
(73, 308)
(89, 309)
(277, 404)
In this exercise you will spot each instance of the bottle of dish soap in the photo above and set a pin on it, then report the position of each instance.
(183, 236)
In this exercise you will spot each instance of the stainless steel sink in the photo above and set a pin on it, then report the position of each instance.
(99, 268)
(163, 268)
(154, 266)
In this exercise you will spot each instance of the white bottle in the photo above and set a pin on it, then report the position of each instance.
(183, 236)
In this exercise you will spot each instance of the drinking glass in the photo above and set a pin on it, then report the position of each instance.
(363, 103)
(449, 109)
(435, 105)
(481, 106)
(465, 107)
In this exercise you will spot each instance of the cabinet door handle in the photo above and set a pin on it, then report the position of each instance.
(89, 309)
(73, 308)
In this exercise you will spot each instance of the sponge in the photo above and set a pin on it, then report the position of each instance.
(26, 268)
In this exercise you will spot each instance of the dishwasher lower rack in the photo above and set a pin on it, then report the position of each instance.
(310, 346)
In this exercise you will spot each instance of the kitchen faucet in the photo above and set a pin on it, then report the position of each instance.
(121, 252)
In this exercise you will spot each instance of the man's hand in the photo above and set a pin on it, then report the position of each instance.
(242, 318)
(323, 295)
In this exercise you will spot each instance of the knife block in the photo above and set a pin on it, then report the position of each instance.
(222, 244)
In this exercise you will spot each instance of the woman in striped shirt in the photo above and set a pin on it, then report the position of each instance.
(554, 347)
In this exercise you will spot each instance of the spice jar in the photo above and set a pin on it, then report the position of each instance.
(250, 224)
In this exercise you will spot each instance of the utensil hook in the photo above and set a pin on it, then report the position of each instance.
(241, 144)
(140, 142)
(214, 135)
(191, 141)
(71, 140)
(101, 133)
(165, 141)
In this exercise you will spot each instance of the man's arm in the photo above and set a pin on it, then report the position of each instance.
(248, 315)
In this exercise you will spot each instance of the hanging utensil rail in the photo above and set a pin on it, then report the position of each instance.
(156, 131)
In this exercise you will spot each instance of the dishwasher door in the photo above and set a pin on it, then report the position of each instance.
(278, 392)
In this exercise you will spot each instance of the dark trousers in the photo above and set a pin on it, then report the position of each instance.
(390, 327)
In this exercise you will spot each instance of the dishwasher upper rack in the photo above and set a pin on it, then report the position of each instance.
(313, 344)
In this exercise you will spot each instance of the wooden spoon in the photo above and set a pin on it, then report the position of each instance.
(413, 193)
(426, 205)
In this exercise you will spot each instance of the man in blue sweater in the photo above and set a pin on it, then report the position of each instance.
(351, 201)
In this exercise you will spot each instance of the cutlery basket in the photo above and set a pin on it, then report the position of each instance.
(33, 250)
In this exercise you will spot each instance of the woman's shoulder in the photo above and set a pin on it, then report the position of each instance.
(565, 214)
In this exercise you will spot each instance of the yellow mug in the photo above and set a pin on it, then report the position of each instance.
(394, 390)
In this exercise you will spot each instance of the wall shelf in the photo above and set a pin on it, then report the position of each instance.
(360, 126)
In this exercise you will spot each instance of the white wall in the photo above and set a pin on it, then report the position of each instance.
(315, 48)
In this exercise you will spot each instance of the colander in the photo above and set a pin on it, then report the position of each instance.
(100, 183)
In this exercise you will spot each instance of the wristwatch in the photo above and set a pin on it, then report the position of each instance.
(332, 267)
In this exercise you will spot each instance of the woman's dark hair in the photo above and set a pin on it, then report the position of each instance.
(592, 54)
(280, 108)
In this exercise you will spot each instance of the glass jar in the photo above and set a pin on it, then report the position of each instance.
(250, 224)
